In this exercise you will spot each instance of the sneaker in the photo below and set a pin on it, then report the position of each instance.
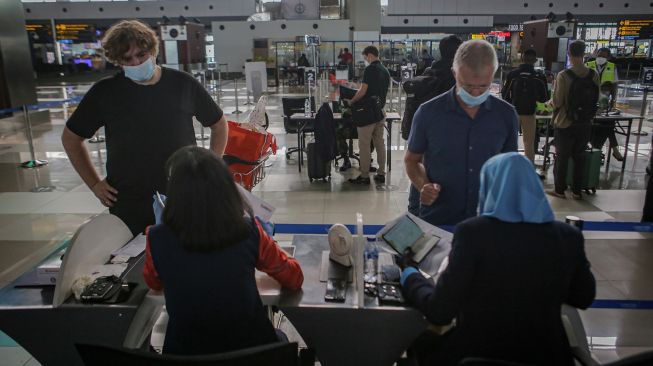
(552, 192)
(577, 196)
(360, 180)
(345, 166)
(379, 178)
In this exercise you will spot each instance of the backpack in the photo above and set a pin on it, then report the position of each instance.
(582, 98)
(419, 90)
(524, 90)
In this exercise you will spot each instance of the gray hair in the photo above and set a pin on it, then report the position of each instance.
(476, 55)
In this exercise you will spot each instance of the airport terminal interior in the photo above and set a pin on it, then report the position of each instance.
(247, 55)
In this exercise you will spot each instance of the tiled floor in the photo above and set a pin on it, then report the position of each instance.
(32, 223)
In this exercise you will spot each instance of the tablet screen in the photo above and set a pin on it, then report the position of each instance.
(403, 235)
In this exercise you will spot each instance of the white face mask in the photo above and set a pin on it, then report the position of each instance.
(601, 60)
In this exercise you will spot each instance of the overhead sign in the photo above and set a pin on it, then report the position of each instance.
(39, 33)
(515, 27)
(406, 73)
(79, 33)
(310, 76)
(635, 29)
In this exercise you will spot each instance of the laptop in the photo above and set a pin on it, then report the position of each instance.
(407, 234)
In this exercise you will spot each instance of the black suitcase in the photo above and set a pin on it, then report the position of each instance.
(318, 168)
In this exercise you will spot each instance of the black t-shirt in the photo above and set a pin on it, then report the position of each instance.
(377, 78)
(144, 125)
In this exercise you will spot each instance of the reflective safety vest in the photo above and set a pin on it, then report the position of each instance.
(608, 70)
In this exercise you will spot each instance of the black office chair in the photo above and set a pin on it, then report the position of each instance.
(274, 354)
(292, 105)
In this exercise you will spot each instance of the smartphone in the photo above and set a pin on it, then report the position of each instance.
(335, 290)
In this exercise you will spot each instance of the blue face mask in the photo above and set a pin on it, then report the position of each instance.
(142, 72)
(471, 100)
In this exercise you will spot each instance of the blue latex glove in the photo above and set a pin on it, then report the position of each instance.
(268, 226)
(158, 209)
(406, 273)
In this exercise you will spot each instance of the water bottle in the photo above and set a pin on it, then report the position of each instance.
(307, 108)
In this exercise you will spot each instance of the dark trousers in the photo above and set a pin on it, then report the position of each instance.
(603, 132)
(570, 142)
(137, 215)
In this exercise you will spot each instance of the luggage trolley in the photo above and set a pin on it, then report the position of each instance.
(247, 173)
(246, 154)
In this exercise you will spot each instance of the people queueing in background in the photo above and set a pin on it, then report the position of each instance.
(348, 59)
(426, 59)
(524, 88)
(376, 81)
(608, 76)
(465, 122)
(509, 272)
(441, 72)
(574, 106)
(302, 64)
(147, 112)
(203, 254)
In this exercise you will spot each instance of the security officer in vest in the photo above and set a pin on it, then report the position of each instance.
(608, 74)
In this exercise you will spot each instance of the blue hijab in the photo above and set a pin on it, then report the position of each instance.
(511, 191)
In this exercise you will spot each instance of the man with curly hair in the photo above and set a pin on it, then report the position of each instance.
(147, 112)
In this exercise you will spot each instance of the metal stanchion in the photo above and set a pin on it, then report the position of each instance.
(37, 188)
(34, 163)
(236, 111)
(219, 93)
(248, 102)
(400, 89)
(202, 79)
(392, 95)
(642, 113)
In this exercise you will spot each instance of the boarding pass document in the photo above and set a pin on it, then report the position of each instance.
(103, 270)
(261, 208)
(132, 249)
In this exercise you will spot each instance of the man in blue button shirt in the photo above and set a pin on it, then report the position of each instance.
(455, 133)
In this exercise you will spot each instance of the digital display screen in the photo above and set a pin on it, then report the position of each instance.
(635, 29)
(403, 234)
(312, 40)
(84, 61)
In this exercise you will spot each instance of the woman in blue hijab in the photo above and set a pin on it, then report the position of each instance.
(510, 270)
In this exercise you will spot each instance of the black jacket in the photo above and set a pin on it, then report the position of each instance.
(543, 91)
(505, 284)
(325, 133)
